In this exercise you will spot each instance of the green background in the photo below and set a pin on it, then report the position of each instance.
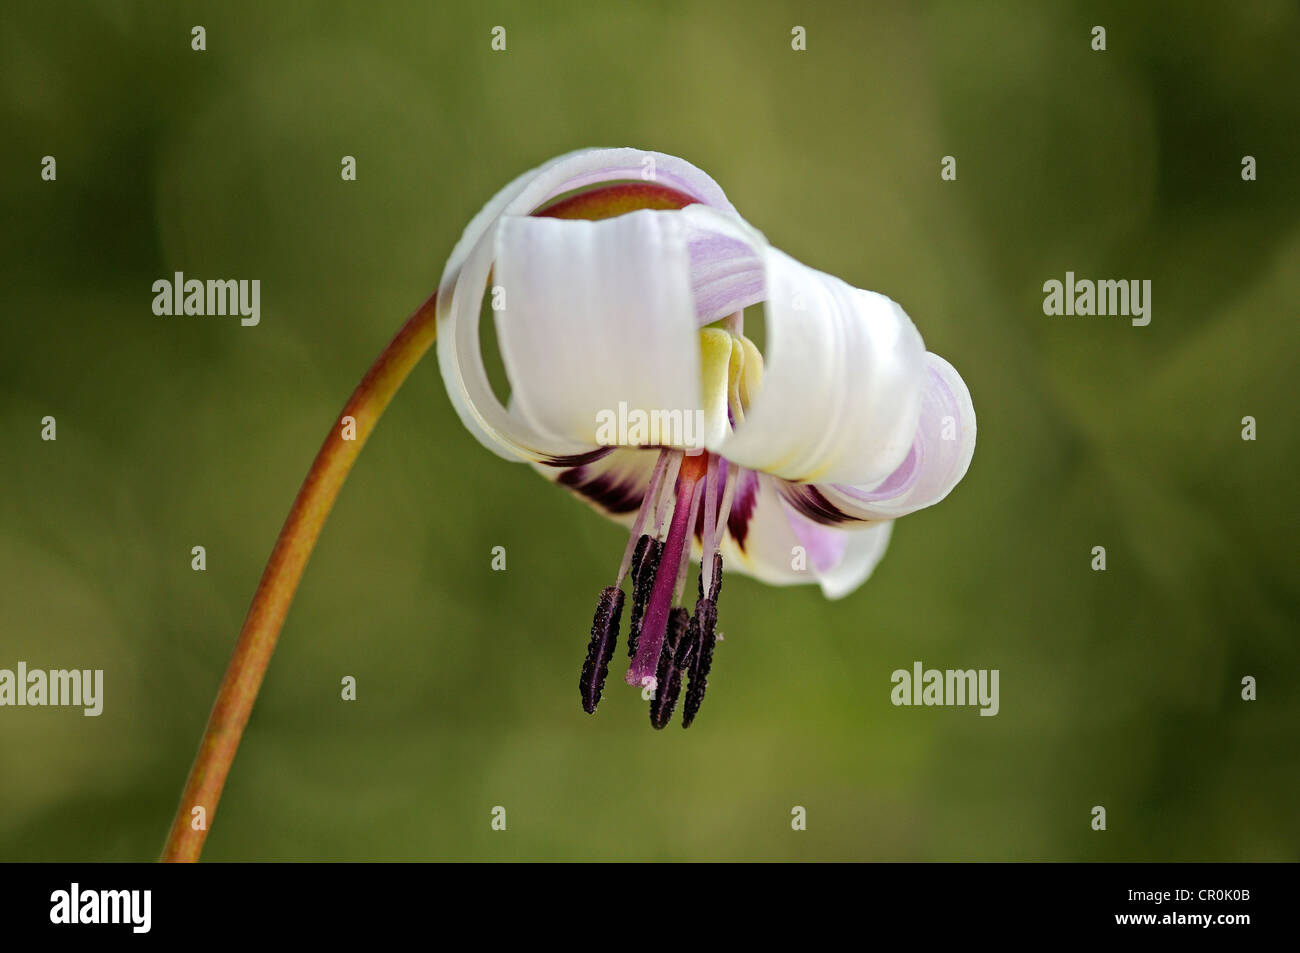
(1118, 688)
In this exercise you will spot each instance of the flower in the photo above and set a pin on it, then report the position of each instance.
(620, 295)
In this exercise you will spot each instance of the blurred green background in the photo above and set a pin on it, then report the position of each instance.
(1119, 688)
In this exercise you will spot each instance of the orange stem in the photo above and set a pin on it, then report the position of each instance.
(266, 614)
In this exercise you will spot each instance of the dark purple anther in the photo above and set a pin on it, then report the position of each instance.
(604, 637)
(645, 563)
(705, 621)
(668, 677)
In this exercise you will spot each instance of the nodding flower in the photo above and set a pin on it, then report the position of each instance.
(619, 281)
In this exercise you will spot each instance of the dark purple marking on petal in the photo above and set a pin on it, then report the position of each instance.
(808, 501)
(742, 507)
(614, 494)
(578, 459)
(604, 637)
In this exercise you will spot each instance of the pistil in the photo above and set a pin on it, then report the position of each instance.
(676, 549)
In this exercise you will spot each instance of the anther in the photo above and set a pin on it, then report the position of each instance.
(668, 677)
(604, 637)
(685, 650)
(704, 623)
(703, 630)
(645, 565)
(716, 588)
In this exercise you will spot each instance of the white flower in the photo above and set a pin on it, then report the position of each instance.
(620, 293)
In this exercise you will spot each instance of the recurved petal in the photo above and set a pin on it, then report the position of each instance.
(580, 169)
(861, 547)
(613, 482)
(599, 325)
(726, 270)
(941, 453)
(771, 541)
(842, 383)
(465, 277)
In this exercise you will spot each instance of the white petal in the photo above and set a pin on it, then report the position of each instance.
(579, 169)
(864, 547)
(941, 453)
(764, 531)
(613, 484)
(726, 270)
(465, 276)
(842, 383)
(599, 319)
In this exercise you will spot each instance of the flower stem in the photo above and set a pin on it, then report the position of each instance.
(266, 614)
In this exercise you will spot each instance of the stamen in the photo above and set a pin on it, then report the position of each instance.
(716, 578)
(645, 564)
(676, 548)
(685, 651)
(705, 624)
(604, 637)
(712, 544)
(696, 498)
(668, 676)
(710, 509)
(668, 496)
(647, 505)
(698, 657)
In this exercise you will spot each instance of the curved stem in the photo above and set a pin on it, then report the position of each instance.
(266, 614)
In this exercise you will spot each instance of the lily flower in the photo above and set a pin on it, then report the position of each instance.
(619, 281)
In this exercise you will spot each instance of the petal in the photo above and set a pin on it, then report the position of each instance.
(599, 321)
(613, 484)
(764, 532)
(465, 277)
(579, 169)
(842, 381)
(940, 456)
(864, 547)
(726, 270)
